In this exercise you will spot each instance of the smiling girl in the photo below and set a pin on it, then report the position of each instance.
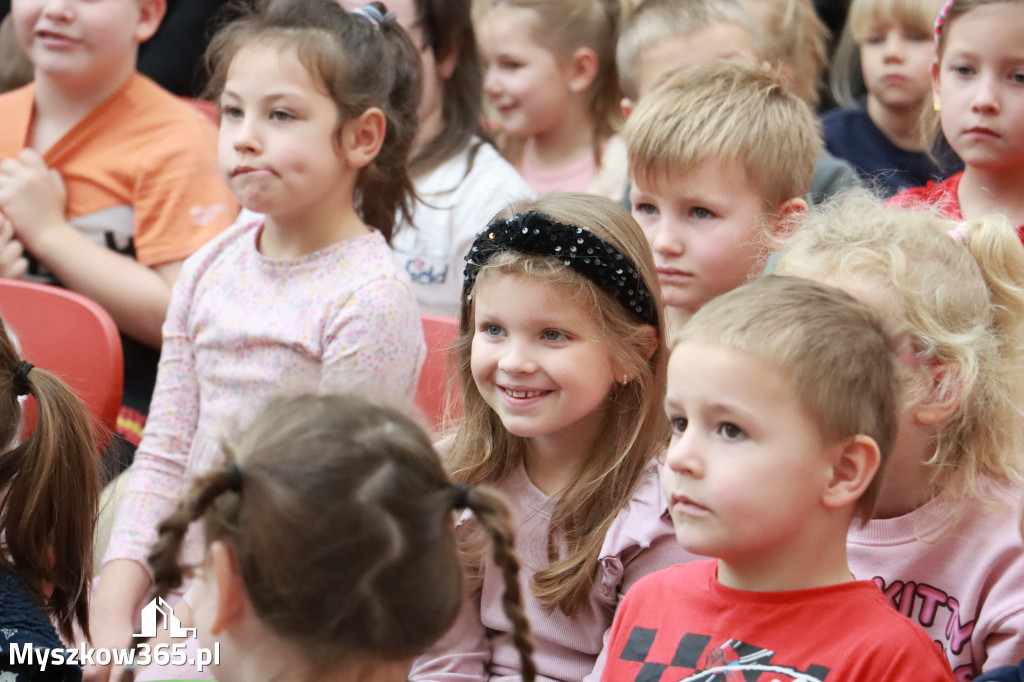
(562, 368)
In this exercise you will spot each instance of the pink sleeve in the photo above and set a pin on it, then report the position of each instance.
(462, 654)
(157, 474)
(375, 343)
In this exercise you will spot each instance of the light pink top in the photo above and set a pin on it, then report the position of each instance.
(242, 328)
(641, 540)
(966, 587)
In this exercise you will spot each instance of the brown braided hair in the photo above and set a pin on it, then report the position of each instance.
(356, 490)
(49, 490)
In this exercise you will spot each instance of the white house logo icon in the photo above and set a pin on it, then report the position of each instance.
(170, 621)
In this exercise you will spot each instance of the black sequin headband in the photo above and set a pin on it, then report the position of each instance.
(578, 247)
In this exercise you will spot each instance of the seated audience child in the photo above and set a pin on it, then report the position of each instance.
(551, 80)
(891, 47)
(980, 111)
(719, 156)
(943, 541)
(783, 399)
(318, 115)
(664, 36)
(108, 181)
(49, 490)
(561, 360)
(330, 552)
(460, 178)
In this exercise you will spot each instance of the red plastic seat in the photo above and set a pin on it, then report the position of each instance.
(71, 336)
(438, 367)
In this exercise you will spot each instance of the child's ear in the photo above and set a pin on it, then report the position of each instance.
(444, 68)
(151, 13)
(943, 398)
(935, 83)
(362, 137)
(854, 465)
(581, 70)
(781, 225)
(230, 597)
(626, 105)
(647, 343)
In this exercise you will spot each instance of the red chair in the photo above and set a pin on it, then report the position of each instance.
(71, 336)
(438, 368)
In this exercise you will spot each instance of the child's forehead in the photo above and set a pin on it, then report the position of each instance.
(725, 40)
(710, 175)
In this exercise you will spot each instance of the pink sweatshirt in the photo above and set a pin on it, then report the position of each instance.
(965, 586)
(641, 540)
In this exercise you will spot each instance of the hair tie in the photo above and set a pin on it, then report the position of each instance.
(577, 247)
(461, 500)
(20, 380)
(960, 234)
(940, 20)
(373, 14)
(234, 477)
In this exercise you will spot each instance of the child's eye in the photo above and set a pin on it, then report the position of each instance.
(508, 63)
(701, 213)
(492, 329)
(921, 36)
(227, 111)
(730, 431)
(281, 115)
(962, 70)
(645, 209)
(678, 424)
(1018, 78)
(553, 335)
(875, 39)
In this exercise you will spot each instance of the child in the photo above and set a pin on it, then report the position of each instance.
(460, 178)
(561, 362)
(981, 111)
(318, 113)
(783, 401)
(109, 181)
(881, 135)
(49, 491)
(665, 36)
(551, 78)
(719, 157)
(355, 495)
(943, 541)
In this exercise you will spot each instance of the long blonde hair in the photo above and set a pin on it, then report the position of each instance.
(635, 428)
(962, 302)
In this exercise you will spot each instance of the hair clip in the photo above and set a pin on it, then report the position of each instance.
(940, 20)
(373, 14)
(576, 247)
(960, 234)
(234, 477)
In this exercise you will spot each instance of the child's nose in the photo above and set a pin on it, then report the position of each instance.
(986, 95)
(246, 136)
(895, 50)
(517, 358)
(665, 240)
(683, 455)
(58, 10)
(491, 83)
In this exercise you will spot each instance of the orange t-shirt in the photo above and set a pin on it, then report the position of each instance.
(140, 170)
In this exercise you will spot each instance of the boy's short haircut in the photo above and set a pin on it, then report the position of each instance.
(868, 15)
(656, 20)
(834, 350)
(795, 38)
(730, 113)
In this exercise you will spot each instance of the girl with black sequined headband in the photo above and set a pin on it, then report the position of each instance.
(561, 358)
(49, 494)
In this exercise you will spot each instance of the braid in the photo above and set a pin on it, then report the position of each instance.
(164, 557)
(492, 513)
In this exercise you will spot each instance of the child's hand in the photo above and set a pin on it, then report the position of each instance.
(32, 196)
(13, 264)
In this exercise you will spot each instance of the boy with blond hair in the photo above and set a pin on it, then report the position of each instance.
(107, 181)
(784, 402)
(662, 37)
(719, 156)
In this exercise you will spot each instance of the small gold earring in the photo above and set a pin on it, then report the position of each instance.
(625, 379)
(936, 105)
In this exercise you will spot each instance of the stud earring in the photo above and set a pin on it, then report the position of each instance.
(936, 105)
(625, 379)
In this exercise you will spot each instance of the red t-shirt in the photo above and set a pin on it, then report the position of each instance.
(682, 624)
(945, 196)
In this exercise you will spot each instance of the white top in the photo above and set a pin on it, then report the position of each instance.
(453, 207)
